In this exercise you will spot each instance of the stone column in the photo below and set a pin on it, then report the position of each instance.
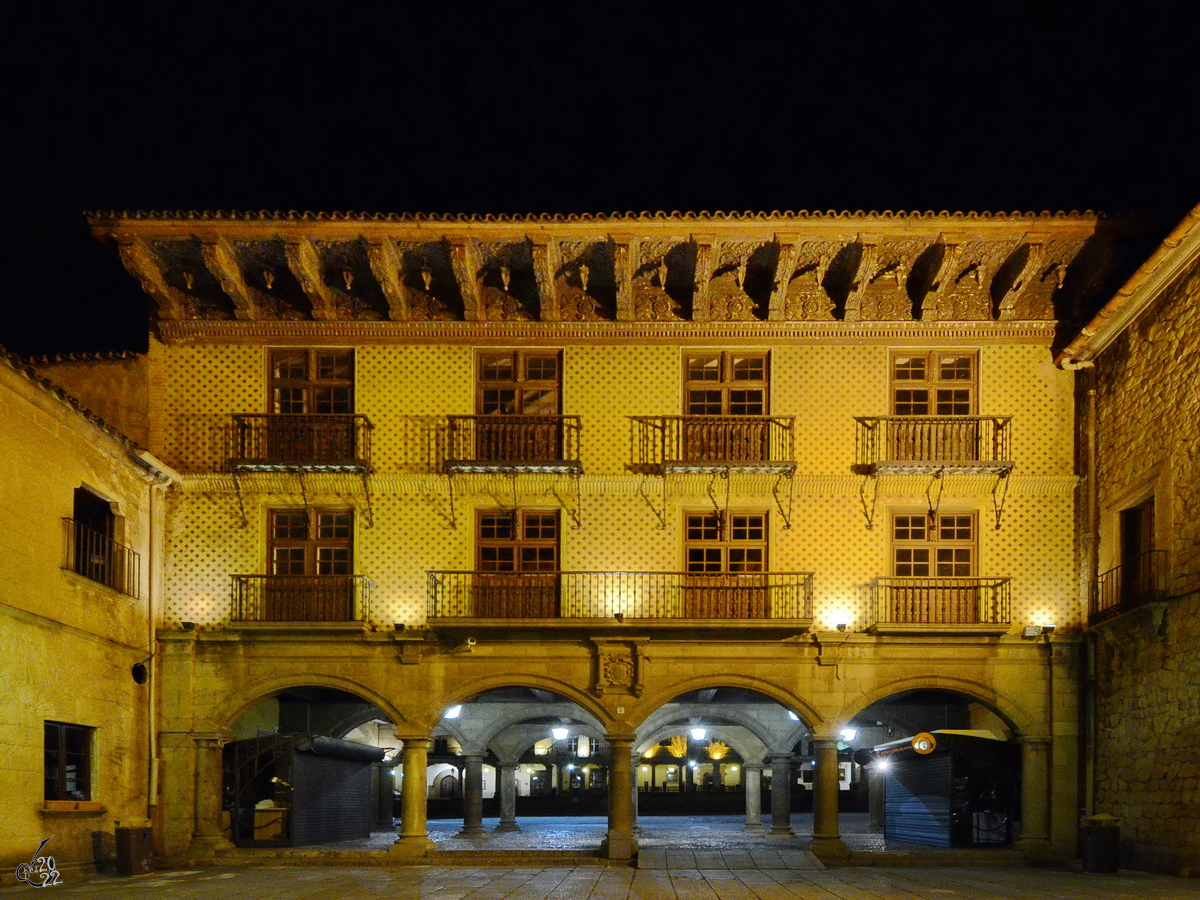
(414, 795)
(1035, 798)
(619, 843)
(472, 796)
(826, 837)
(507, 786)
(208, 831)
(752, 781)
(634, 760)
(781, 794)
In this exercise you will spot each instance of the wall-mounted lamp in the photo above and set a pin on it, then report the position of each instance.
(842, 626)
(698, 734)
(560, 734)
(1033, 632)
(849, 734)
(188, 626)
(452, 712)
(793, 716)
(140, 671)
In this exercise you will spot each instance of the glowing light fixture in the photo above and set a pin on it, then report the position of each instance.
(560, 734)
(848, 734)
(698, 734)
(452, 712)
(793, 716)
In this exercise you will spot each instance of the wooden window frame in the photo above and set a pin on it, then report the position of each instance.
(726, 526)
(518, 541)
(56, 787)
(520, 383)
(310, 384)
(932, 382)
(312, 542)
(726, 382)
(933, 542)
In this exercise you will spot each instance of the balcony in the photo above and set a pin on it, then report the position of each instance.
(625, 596)
(99, 558)
(669, 444)
(504, 443)
(906, 445)
(287, 443)
(1127, 587)
(301, 598)
(953, 605)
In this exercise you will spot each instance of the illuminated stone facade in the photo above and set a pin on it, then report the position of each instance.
(832, 306)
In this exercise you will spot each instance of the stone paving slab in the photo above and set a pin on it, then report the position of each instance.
(732, 859)
(622, 883)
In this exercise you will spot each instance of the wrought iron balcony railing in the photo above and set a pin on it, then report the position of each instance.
(1126, 587)
(899, 444)
(504, 443)
(712, 443)
(332, 442)
(98, 557)
(628, 595)
(301, 598)
(941, 601)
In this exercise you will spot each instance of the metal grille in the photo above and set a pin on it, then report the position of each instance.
(510, 442)
(301, 598)
(1125, 587)
(978, 443)
(941, 601)
(265, 442)
(698, 443)
(635, 595)
(98, 557)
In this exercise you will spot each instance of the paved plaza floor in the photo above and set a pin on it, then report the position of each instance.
(708, 858)
(620, 883)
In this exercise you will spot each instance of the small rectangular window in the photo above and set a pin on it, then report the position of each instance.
(312, 381)
(941, 547)
(726, 383)
(68, 761)
(934, 383)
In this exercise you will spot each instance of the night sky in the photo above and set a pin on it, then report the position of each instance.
(568, 107)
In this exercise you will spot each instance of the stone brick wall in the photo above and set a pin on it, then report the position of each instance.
(1147, 754)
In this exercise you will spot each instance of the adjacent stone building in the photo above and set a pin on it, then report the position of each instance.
(1140, 441)
(80, 603)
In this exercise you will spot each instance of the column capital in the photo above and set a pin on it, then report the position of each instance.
(415, 740)
(620, 738)
(826, 737)
(1034, 741)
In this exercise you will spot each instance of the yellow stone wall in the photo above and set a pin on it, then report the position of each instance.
(406, 390)
(67, 643)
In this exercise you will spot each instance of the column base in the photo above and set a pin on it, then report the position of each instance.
(508, 826)
(472, 831)
(204, 846)
(828, 847)
(1035, 850)
(618, 847)
(784, 831)
(412, 846)
(754, 828)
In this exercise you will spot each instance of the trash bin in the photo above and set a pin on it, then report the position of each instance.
(1101, 843)
(134, 841)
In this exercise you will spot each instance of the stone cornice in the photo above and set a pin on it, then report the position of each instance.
(356, 332)
(682, 488)
(695, 268)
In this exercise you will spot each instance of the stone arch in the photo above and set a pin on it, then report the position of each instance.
(1006, 707)
(466, 691)
(653, 701)
(237, 706)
